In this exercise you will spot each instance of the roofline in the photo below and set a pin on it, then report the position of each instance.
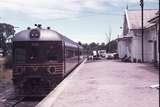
(145, 28)
(123, 38)
(153, 19)
(150, 26)
(126, 14)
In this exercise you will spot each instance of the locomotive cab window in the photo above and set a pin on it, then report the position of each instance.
(37, 52)
(33, 54)
(51, 55)
(20, 55)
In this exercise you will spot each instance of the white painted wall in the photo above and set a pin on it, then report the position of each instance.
(128, 47)
(149, 46)
(133, 47)
(136, 48)
(157, 39)
(121, 48)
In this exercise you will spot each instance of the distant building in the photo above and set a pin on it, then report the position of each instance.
(130, 42)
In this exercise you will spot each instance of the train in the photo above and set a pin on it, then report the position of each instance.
(42, 57)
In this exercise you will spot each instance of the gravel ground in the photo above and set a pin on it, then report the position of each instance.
(7, 95)
(6, 91)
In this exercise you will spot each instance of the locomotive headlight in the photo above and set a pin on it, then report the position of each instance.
(34, 33)
(51, 70)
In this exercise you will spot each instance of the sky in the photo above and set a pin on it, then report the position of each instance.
(80, 20)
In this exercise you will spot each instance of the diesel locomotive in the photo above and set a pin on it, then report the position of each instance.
(41, 58)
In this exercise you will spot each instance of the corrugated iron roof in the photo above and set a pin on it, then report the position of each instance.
(155, 19)
(134, 18)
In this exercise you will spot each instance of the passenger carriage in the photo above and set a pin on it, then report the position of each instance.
(41, 58)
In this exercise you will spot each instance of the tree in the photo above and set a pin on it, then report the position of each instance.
(93, 46)
(109, 38)
(102, 46)
(80, 43)
(6, 30)
(112, 46)
(89, 48)
(85, 48)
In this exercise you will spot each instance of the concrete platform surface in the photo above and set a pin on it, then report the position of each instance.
(107, 83)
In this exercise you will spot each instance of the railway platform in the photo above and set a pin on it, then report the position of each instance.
(106, 83)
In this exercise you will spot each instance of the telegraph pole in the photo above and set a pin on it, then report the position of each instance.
(142, 30)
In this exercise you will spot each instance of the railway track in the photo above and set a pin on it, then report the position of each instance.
(9, 99)
(23, 102)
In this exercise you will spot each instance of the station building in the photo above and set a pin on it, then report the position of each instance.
(130, 42)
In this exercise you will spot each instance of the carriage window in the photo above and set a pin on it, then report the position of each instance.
(69, 53)
(20, 55)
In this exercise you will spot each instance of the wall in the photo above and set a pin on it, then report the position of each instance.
(121, 48)
(157, 39)
(136, 48)
(149, 38)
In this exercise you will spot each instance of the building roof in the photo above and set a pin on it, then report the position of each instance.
(134, 18)
(156, 18)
